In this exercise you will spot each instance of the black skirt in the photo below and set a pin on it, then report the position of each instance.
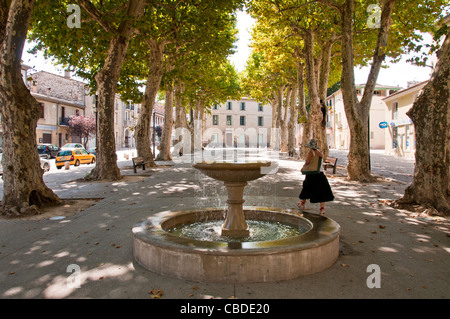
(316, 188)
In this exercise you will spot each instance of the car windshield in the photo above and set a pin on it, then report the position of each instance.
(41, 147)
(65, 153)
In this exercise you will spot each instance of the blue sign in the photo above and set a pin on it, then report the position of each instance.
(383, 124)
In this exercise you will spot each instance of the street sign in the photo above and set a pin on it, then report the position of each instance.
(383, 124)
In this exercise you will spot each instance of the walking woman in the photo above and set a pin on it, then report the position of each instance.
(315, 186)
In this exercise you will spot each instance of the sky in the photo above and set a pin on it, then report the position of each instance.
(397, 74)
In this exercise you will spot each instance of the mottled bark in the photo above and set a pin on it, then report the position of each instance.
(304, 116)
(357, 113)
(282, 117)
(107, 78)
(24, 190)
(164, 152)
(156, 70)
(315, 114)
(431, 117)
(293, 115)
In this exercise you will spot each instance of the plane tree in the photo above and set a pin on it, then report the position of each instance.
(169, 33)
(24, 190)
(95, 49)
(396, 29)
(430, 114)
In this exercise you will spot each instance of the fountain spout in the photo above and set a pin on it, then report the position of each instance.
(235, 176)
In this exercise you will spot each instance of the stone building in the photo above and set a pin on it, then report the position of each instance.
(400, 134)
(60, 97)
(338, 131)
(243, 122)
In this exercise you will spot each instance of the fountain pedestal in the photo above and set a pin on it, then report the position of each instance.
(235, 224)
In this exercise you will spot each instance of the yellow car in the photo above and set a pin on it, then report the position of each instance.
(74, 157)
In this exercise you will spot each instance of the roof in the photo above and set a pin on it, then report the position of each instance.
(411, 88)
(52, 99)
(381, 86)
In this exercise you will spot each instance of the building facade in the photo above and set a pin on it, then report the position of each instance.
(400, 136)
(242, 123)
(61, 97)
(338, 131)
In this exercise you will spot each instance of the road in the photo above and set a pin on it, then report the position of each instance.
(389, 166)
(397, 168)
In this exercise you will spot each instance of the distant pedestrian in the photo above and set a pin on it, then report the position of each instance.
(315, 186)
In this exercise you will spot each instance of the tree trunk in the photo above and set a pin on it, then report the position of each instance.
(273, 129)
(156, 70)
(107, 78)
(357, 113)
(293, 115)
(315, 113)
(23, 187)
(164, 152)
(431, 117)
(282, 118)
(304, 116)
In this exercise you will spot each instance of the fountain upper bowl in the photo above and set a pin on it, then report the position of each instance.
(234, 171)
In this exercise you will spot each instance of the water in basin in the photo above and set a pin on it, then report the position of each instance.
(259, 231)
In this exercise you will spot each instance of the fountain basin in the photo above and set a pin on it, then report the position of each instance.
(236, 262)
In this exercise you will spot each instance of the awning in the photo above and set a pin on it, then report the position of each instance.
(400, 122)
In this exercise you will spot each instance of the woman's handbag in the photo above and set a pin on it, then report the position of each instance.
(313, 166)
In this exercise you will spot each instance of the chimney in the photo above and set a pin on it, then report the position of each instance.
(48, 91)
(34, 86)
(411, 83)
(67, 74)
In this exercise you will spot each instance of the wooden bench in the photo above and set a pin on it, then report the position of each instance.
(138, 161)
(330, 162)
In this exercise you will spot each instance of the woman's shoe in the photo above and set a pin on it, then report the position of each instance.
(322, 211)
(302, 206)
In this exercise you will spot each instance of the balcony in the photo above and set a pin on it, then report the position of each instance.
(64, 121)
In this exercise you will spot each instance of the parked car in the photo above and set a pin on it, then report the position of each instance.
(93, 150)
(48, 150)
(70, 146)
(45, 164)
(74, 156)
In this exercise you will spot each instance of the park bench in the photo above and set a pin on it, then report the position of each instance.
(330, 162)
(138, 161)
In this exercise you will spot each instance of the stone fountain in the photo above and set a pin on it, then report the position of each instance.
(235, 178)
(234, 258)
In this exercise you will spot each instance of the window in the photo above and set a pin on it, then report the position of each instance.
(260, 107)
(228, 105)
(42, 110)
(229, 120)
(242, 120)
(260, 121)
(215, 107)
(215, 120)
(394, 110)
(242, 106)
